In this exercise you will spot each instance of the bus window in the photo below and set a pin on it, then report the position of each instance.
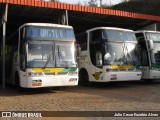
(95, 36)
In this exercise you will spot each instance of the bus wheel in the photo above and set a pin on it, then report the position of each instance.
(83, 78)
(18, 87)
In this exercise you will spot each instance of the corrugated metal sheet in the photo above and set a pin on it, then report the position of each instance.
(58, 5)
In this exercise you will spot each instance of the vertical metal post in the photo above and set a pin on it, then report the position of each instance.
(3, 51)
(66, 17)
(3, 47)
(100, 3)
(155, 26)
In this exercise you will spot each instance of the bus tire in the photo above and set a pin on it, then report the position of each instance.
(84, 78)
(17, 84)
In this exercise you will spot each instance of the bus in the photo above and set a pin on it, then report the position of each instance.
(149, 41)
(108, 54)
(41, 55)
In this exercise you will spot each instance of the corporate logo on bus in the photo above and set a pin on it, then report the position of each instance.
(97, 75)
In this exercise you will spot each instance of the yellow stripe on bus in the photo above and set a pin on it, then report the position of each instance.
(125, 66)
(47, 69)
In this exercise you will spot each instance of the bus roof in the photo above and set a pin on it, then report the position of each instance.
(46, 24)
(143, 31)
(109, 28)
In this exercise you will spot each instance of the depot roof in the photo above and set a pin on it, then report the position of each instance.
(80, 17)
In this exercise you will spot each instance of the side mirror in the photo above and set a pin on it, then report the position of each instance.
(151, 45)
(103, 48)
(78, 49)
(23, 63)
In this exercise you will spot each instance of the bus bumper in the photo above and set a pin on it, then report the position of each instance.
(153, 74)
(121, 76)
(36, 82)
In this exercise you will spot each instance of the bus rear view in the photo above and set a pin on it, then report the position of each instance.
(108, 54)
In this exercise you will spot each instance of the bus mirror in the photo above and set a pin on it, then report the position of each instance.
(23, 64)
(150, 43)
(139, 53)
(78, 49)
(103, 48)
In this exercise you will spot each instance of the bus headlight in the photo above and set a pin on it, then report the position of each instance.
(72, 73)
(35, 74)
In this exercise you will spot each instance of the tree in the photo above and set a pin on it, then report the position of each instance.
(93, 3)
(79, 3)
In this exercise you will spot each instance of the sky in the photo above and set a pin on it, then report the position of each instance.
(82, 1)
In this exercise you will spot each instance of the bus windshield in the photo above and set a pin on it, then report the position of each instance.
(121, 53)
(118, 35)
(153, 36)
(156, 54)
(156, 50)
(50, 54)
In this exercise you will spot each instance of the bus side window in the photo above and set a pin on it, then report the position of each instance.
(96, 36)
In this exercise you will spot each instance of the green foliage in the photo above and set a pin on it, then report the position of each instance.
(106, 6)
(92, 3)
(140, 6)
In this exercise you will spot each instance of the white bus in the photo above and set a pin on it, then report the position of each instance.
(41, 55)
(108, 54)
(149, 42)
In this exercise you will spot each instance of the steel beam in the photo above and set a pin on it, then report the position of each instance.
(66, 17)
(4, 21)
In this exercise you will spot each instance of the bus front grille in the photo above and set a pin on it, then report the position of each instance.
(62, 73)
(50, 73)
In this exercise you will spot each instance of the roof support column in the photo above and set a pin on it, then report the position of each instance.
(62, 18)
(66, 17)
(155, 27)
(4, 21)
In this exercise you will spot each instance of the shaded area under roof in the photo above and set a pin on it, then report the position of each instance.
(80, 17)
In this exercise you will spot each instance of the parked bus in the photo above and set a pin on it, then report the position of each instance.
(108, 54)
(149, 42)
(41, 55)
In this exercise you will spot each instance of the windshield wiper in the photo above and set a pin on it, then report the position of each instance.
(123, 56)
(130, 56)
(60, 55)
(49, 58)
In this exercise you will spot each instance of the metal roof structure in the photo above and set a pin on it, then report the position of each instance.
(14, 13)
(80, 17)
